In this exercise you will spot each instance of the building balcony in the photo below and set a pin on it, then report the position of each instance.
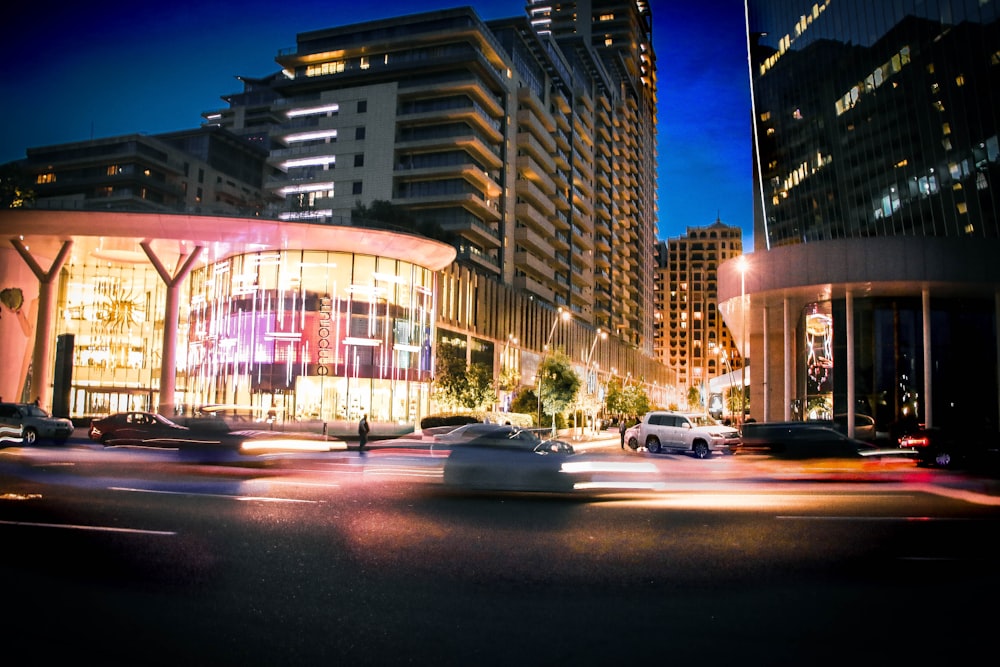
(535, 174)
(528, 215)
(532, 286)
(529, 144)
(525, 189)
(532, 240)
(471, 143)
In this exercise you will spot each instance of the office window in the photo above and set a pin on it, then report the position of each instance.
(359, 160)
(362, 106)
(359, 133)
(356, 188)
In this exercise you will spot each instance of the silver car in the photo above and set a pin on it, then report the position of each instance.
(36, 422)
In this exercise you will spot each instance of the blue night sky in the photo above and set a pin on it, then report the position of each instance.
(111, 67)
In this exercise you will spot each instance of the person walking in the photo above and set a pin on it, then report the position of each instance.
(621, 429)
(363, 433)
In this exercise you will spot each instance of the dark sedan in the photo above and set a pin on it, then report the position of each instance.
(138, 429)
(800, 440)
(954, 447)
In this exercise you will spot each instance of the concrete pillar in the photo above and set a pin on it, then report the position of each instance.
(849, 333)
(41, 371)
(168, 366)
(789, 358)
(925, 299)
(766, 347)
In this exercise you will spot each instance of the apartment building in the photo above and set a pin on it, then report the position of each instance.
(694, 340)
(528, 146)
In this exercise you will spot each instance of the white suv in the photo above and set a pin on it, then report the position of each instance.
(695, 433)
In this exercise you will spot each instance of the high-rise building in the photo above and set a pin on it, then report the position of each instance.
(529, 147)
(873, 285)
(695, 342)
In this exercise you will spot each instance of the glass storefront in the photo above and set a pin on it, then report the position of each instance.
(311, 336)
(296, 336)
(114, 311)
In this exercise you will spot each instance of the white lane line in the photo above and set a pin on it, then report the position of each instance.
(105, 529)
(214, 495)
(915, 519)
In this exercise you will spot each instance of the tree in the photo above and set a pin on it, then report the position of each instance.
(558, 384)
(384, 211)
(694, 398)
(449, 374)
(627, 400)
(15, 188)
(458, 384)
(478, 391)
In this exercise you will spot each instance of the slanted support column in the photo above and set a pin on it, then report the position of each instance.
(41, 371)
(168, 366)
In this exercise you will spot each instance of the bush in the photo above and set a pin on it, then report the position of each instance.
(448, 420)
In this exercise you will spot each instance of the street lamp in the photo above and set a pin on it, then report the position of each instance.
(741, 265)
(503, 366)
(562, 316)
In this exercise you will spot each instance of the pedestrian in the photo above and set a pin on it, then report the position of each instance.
(621, 429)
(363, 432)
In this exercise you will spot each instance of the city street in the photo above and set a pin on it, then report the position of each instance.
(132, 557)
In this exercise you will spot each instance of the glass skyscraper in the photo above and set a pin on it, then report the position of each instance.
(873, 287)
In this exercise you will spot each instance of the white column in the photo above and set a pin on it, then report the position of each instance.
(168, 366)
(925, 298)
(766, 348)
(41, 371)
(789, 358)
(849, 333)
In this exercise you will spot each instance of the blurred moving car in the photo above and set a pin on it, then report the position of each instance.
(149, 429)
(697, 434)
(800, 440)
(955, 447)
(36, 422)
(505, 458)
(137, 428)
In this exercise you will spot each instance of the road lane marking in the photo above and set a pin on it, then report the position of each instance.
(104, 529)
(214, 495)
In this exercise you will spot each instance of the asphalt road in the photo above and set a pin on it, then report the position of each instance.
(121, 557)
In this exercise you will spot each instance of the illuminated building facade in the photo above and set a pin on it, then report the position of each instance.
(529, 155)
(530, 149)
(874, 282)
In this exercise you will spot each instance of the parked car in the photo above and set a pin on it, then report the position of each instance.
(632, 436)
(800, 440)
(137, 428)
(38, 424)
(864, 426)
(697, 434)
(505, 458)
(963, 446)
